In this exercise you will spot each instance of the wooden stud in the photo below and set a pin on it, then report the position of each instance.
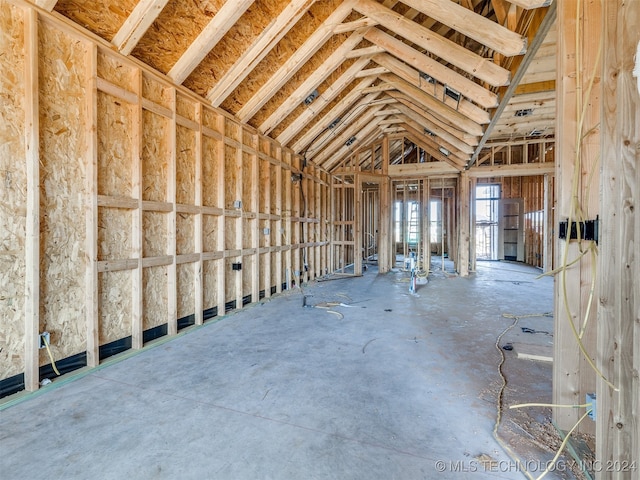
(220, 231)
(137, 234)
(136, 24)
(32, 237)
(198, 231)
(91, 210)
(618, 344)
(172, 281)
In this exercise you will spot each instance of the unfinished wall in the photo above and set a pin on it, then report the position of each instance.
(12, 190)
(148, 197)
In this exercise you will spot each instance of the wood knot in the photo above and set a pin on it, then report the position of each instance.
(619, 426)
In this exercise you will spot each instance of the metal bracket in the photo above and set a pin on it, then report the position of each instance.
(589, 230)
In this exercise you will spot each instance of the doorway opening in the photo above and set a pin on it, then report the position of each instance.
(487, 219)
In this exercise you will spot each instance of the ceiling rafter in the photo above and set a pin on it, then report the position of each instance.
(435, 107)
(259, 49)
(473, 25)
(219, 25)
(137, 23)
(336, 112)
(313, 80)
(343, 150)
(433, 68)
(466, 60)
(362, 123)
(326, 97)
(455, 155)
(47, 5)
(436, 90)
(432, 149)
(295, 62)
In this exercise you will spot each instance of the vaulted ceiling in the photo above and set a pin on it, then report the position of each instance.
(326, 77)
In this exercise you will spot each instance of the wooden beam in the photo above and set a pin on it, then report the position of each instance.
(618, 343)
(137, 217)
(372, 72)
(354, 25)
(136, 24)
(473, 25)
(335, 151)
(91, 208)
(312, 135)
(432, 147)
(433, 68)
(259, 49)
(453, 53)
(420, 170)
(411, 75)
(545, 26)
(518, 170)
(47, 5)
(295, 62)
(219, 25)
(318, 105)
(464, 228)
(364, 51)
(434, 107)
(450, 141)
(32, 224)
(546, 86)
(316, 78)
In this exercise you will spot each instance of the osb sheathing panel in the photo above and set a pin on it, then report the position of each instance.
(247, 276)
(62, 165)
(154, 229)
(235, 42)
(115, 130)
(211, 171)
(185, 166)
(155, 156)
(114, 233)
(186, 278)
(210, 119)
(230, 280)
(177, 26)
(230, 176)
(186, 107)
(13, 190)
(247, 233)
(103, 18)
(249, 190)
(157, 92)
(115, 305)
(309, 68)
(262, 268)
(154, 299)
(185, 238)
(232, 130)
(286, 47)
(230, 234)
(209, 283)
(112, 69)
(210, 233)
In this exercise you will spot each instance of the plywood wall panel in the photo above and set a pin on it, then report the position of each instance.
(115, 130)
(209, 276)
(114, 233)
(13, 183)
(115, 71)
(155, 238)
(155, 156)
(186, 289)
(210, 234)
(154, 299)
(185, 166)
(115, 305)
(157, 92)
(211, 170)
(185, 233)
(62, 147)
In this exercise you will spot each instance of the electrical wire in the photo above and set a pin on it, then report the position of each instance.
(53, 363)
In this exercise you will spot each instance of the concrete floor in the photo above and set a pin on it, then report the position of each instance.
(401, 387)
